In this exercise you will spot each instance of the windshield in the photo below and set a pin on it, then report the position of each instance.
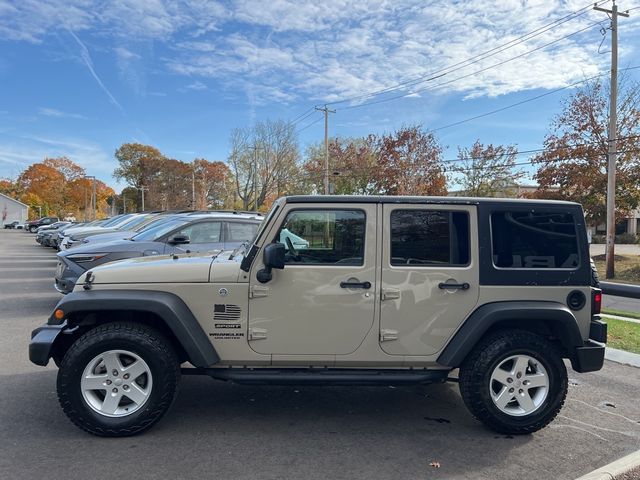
(150, 223)
(151, 234)
(134, 222)
(264, 223)
(114, 220)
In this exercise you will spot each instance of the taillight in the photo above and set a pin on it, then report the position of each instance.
(596, 303)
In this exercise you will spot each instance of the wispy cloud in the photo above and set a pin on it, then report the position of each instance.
(52, 112)
(86, 58)
(284, 50)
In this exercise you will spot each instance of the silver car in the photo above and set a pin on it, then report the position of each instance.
(182, 234)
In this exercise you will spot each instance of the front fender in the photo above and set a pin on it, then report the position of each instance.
(167, 306)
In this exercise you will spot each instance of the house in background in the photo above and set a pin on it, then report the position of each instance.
(12, 210)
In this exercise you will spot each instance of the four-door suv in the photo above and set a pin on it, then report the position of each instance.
(387, 291)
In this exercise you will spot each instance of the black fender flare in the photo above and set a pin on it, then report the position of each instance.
(169, 307)
(563, 324)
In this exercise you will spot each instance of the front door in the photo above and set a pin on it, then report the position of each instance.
(322, 302)
(429, 275)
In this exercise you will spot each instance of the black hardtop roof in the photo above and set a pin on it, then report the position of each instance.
(426, 200)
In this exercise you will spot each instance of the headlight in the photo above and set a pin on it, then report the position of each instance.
(86, 257)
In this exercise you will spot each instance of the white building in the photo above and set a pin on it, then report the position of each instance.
(12, 210)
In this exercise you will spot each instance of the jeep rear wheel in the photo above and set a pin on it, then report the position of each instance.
(514, 381)
(118, 379)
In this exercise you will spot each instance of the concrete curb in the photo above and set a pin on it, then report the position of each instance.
(618, 317)
(611, 471)
(620, 356)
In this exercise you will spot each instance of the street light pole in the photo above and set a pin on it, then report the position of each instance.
(93, 196)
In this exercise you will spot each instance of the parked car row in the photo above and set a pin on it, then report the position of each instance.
(86, 245)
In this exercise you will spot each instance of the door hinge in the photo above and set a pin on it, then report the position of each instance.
(257, 291)
(387, 335)
(257, 333)
(390, 294)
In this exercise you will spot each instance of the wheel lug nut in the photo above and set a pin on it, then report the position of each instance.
(126, 375)
(125, 387)
(115, 390)
(115, 373)
(108, 382)
(518, 374)
(520, 391)
(509, 380)
(511, 390)
(526, 382)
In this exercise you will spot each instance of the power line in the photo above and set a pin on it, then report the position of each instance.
(531, 99)
(475, 59)
(309, 125)
(404, 95)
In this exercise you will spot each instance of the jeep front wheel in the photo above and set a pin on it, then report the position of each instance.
(118, 379)
(514, 381)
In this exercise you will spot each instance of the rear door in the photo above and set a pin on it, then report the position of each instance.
(429, 275)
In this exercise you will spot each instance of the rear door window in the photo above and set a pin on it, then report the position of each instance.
(429, 238)
(534, 239)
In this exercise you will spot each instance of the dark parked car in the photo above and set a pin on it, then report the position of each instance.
(189, 233)
(33, 225)
(11, 225)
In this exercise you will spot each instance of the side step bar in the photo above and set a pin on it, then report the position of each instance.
(321, 376)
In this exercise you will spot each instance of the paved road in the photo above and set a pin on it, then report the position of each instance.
(224, 431)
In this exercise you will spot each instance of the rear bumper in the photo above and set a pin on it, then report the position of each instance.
(590, 356)
(42, 340)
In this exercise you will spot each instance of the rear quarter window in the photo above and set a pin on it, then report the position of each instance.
(534, 240)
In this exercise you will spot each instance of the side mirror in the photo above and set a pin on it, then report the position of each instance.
(179, 239)
(273, 257)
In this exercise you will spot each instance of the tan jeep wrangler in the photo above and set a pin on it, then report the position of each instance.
(343, 291)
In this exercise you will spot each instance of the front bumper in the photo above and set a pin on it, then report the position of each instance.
(66, 276)
(42, 340)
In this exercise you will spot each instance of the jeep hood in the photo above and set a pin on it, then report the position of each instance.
(187, 268)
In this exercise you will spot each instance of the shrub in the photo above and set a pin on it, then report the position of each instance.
(627, 238)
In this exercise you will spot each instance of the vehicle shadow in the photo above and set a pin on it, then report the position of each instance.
(262, 432)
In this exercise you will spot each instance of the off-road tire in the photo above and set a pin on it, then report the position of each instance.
(475, 375)
(148, 344)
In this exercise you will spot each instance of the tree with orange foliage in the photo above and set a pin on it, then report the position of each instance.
(406, 162)
(213, 183)
(575, 159)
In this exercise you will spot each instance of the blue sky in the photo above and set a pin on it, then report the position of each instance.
(79, 77)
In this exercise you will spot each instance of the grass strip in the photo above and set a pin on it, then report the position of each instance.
(623, 335)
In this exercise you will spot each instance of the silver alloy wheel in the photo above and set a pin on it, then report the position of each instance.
(116, 383)
(519, 385)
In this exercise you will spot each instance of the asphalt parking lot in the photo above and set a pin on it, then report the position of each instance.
(217, 430)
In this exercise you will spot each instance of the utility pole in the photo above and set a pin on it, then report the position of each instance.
(124, 203)
(142, 189)
(612, 140)
(193, 188)
(326, 146)
(93, 196)
(93, 192)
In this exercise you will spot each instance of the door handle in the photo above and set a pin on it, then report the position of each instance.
(365, 285)
(456, 286)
